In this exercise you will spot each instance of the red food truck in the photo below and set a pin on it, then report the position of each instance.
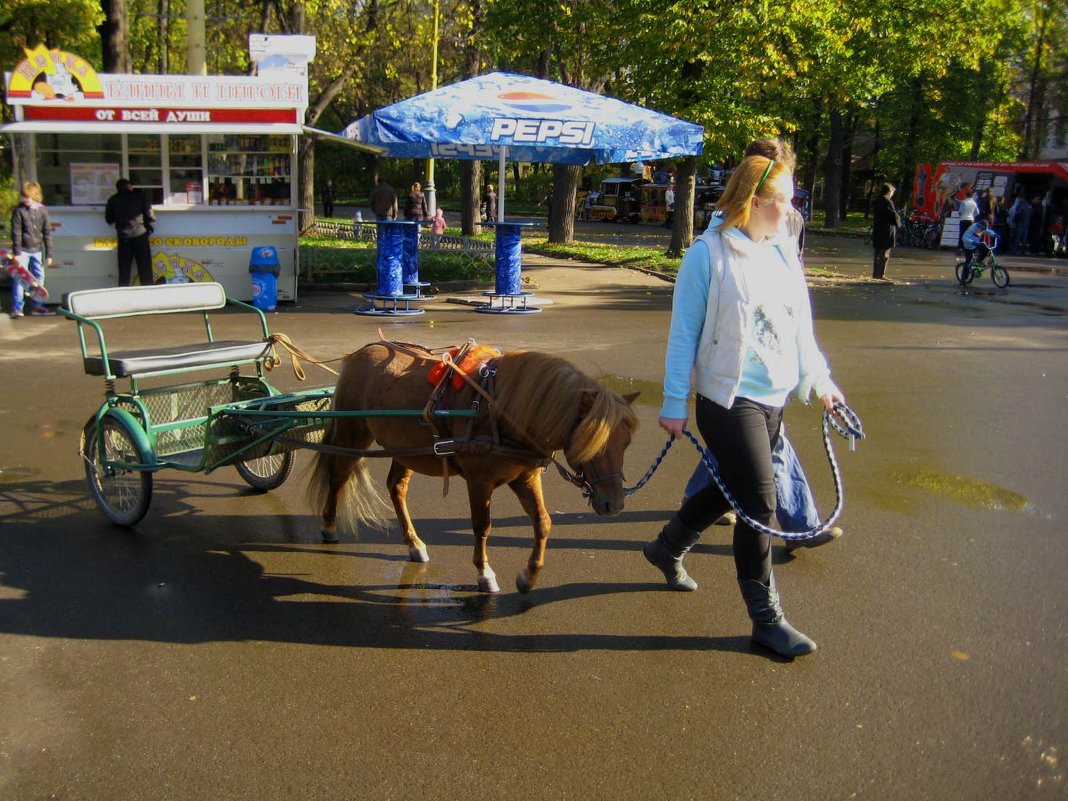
(937, 191)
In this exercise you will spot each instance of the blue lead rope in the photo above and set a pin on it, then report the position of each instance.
(842, 419)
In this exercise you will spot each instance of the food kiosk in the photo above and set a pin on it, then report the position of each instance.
(216, 156)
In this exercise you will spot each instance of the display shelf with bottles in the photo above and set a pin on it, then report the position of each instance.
(249, 170)
(185, 162)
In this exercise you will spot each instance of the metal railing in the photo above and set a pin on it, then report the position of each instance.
(317, 261)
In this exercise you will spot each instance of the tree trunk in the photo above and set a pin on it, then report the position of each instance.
(470, 197)
(163, 35)
(875, 148)
(306, 185)
(847, 166)
(1031, 120)
(812, 148)
(682, 224)
(562, 206)
(912, 140)
(471, 171)
(832, 170)
(115, 36)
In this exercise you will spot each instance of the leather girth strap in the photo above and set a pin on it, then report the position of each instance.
(443, 397)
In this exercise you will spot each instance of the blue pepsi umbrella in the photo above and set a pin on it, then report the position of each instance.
(502, 116)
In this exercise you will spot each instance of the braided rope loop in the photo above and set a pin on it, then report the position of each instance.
(841, 418)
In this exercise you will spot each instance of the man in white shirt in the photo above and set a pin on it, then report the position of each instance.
(669, 203)
(968, 209)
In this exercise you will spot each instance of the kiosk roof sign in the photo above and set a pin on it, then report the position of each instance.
(48, 77)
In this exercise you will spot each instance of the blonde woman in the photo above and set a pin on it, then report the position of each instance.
(741, 325)
(31, 244)
(415, 207)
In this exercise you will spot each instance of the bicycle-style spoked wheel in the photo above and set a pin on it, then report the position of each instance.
(964, 273)
(123, 495)
(1000, 276)
(267, 472)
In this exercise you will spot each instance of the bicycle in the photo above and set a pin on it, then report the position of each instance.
(998, 274)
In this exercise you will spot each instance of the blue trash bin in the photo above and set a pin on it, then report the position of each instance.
(264, 269)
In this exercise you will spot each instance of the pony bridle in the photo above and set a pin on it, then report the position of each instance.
(582, 480)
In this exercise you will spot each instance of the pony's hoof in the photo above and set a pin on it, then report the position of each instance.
(418, 554)
(488, 584)
(330, 537)
(524, 582)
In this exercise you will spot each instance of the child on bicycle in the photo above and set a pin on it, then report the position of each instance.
(975, 241)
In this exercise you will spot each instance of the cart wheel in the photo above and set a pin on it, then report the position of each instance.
(267, 472)
(122, 495)
(960, 273)
(1000, 276)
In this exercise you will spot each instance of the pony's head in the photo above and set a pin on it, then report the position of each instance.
(552, 405)
(595, 453)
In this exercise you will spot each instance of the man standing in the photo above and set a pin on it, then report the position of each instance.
(884, 230)
(669, 206)
(133, 218)
(968, 209)
(491, 204)
(329, 196)
(383, 201)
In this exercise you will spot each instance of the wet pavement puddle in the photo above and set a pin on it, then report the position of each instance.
(968, 491)
(12, 474)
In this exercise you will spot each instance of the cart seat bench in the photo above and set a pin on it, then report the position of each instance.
(90, 306)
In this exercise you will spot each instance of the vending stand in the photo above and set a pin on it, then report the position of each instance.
(216, 156)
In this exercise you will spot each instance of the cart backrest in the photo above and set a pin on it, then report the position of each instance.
(91, 306)
(159, 299)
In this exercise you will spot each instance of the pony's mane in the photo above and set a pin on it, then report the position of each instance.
(541, 397)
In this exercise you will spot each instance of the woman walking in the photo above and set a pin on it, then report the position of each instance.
(884, 230)
(741, 324)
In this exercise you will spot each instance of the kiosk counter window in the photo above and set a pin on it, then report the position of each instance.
(171, 169)
(77, 169)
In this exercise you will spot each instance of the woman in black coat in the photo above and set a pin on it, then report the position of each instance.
(884, 230)
(415, 207)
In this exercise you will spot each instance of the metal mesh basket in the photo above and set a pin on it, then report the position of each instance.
(178, 404)
(230, 433)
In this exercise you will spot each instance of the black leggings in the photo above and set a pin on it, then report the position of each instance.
(740, 438)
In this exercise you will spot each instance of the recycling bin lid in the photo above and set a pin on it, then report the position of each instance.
(266, 256)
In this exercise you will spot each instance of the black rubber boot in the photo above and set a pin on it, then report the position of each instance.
(666, 551)
(770, 628)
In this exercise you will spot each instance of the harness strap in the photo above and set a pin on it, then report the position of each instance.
(296, 353)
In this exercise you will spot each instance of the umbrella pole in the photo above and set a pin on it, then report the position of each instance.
(500, 182)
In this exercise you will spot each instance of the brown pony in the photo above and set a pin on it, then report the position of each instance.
(542, 402)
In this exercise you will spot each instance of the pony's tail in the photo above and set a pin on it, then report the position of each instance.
(358, 501)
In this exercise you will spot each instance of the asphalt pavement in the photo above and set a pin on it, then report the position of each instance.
(220, 650)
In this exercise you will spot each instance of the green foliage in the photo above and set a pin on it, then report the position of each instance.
(9, 198)
(942, 79)
(67, 24)
(641, 258)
